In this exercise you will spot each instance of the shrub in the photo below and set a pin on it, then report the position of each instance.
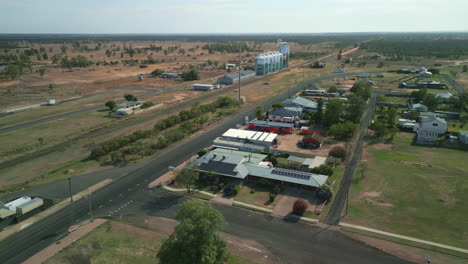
(265, 183)
(276, 189)
(236, 189)
(157, 72)
(202, 152)
(146, 105)
(338, 152)
(325, 192)
(272, 197)
(300, 206)
(323, 169)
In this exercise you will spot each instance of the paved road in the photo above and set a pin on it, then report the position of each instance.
(289, 241)
(458, 87)
(334, 214)
(33, 238)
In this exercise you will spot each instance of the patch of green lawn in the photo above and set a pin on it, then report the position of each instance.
(426, 187)
(259, 197)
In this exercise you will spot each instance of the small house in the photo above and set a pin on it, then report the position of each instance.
(283, 115)
(417, 107)
(443, 97)
(203, 87)
(426, 137)
(170, 75)
(432, 124)
(305, 104)
(51, 101)
(463, 136)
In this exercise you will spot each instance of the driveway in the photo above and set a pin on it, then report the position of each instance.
(289, 195)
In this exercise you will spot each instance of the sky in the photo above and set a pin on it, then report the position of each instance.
(231, 16)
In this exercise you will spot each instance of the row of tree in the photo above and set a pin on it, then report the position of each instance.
(163, 140)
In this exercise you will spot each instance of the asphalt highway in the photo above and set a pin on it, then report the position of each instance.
(339, 202)
(126, 190)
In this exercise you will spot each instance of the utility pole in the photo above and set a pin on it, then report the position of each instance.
(90, 208)
(70, 189)
(239, 93)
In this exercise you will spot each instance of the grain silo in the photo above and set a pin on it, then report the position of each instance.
(261, 65)
(284, 49)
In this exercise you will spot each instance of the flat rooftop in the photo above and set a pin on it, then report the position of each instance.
(251, 135)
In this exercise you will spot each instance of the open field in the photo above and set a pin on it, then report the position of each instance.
(115, 242)
(412, 190)
(174, 56)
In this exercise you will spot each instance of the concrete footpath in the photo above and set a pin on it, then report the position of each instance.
(405, 237)
(53, 249)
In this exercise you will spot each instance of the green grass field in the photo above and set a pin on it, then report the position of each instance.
(414, 191)
(114, 243)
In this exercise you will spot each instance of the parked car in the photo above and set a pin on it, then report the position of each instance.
(228, 191)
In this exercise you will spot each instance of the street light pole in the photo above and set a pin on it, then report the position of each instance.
(70, 189)
(90, 208)
(239, 93)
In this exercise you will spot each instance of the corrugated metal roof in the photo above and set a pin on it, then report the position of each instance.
(246, 134)
(296, 159)
(242, 73)
(271, 123)
(283, 112)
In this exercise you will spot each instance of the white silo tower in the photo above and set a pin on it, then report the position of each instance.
(285, 49)
(260, 68)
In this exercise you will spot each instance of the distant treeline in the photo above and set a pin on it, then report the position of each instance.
(437, 47)
(227, 47)
(259, 38)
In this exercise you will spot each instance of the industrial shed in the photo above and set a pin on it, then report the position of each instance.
(234, 77)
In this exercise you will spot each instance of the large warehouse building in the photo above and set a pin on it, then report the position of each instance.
(234, 77)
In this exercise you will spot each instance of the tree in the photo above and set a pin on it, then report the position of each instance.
(13, 71)
(391, 116)
(419, 95)
(319, 115)
(332, 89)
(430, 100)
(259, 113)
(195, 240)
(111, 105)
(130, 97)
(333, 112)
(188, 178)
(380, 128)
(191, 75)
(344, 130)
(465, 68)
(41, 141)
(157, 72)
(202, 152)
(361, 89)
(276, 106)
(300, 206)
(323, 169)
(63, 48)
(41, 72)
(355, 109)
(381, 64)
(146, 105)
(338, 152)
(325, 192)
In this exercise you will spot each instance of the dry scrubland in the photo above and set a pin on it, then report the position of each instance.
(31, 88)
